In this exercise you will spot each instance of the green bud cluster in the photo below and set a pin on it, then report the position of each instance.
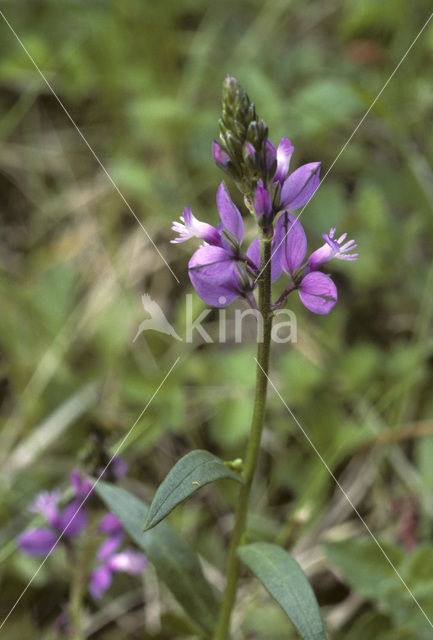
(242, 137)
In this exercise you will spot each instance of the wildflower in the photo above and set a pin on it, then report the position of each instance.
(190, 227)
(316, 290)
(70, 521)
(219, 270)
(332, 249)
(128, 560)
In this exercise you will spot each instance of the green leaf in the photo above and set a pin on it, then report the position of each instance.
(177, 565)
(284, 579)
(192, 472)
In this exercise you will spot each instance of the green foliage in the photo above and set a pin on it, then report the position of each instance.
(282, 576)
(188, 475)
(177, 565)
(358, 560)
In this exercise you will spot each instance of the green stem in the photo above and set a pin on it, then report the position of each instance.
(253, 447)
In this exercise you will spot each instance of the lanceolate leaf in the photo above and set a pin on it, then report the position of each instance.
(176, 563)
(192, 472)
(284, 579)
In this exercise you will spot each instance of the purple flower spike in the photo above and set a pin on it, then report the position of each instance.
(219, 155)
(37, 542)
(100, 580)
(318, 292)
(262, 201)
(299, 187)
(332, 249)
(229, 214)
(284, 153)
(190, 227)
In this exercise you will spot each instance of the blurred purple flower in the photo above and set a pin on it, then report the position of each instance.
(129, 561)
(70, 521)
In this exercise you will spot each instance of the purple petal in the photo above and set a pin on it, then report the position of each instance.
(120, 467)
(129, 561)
(262, 201)
(271, 154)
(37, 542)
(214, 276)
(81, 485)
(109, 546)
(318, 292)
(45, 503)
(110, 524)
(73, 519)
(253, 253)
(300, 186)
(284, 153)
(291, 242)
(229, 213)
(100, 580)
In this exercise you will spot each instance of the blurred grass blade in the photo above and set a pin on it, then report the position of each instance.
(284, 579)
(188, 475)
(177, 565)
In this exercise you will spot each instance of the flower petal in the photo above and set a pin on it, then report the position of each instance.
(130, 561)
(73, 519)
(100, 580)
(109, 546)
(80, 484)
(253, 253)
(37, 542)
(290, 241)
(318, 292)
(110, 524)
(284, 153)
(45, 503)
(229, 213)
(262, 201)
(214, 276)
(300, 186)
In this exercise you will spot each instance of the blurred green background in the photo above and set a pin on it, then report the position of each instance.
(142, 80)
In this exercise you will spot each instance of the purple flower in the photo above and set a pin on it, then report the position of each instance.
(37, 542)
(317, 291)
(69, 521)
(332, 249)
(299, 186)
(129, 561)
(190, 227)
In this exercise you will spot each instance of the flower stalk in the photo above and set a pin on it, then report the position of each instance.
(253, 446)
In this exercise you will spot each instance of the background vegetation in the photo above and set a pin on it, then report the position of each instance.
(142, 80)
